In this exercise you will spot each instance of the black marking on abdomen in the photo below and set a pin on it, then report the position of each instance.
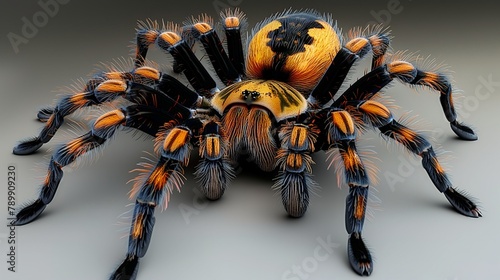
(290, 38)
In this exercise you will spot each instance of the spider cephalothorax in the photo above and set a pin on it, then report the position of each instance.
(280, 103)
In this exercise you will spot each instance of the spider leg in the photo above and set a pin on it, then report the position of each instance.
(65, 106)
(88, 96)
(69, 104)
(144, 118)
(333, 78)
(168, 93)
(341, 134)
(294, 179)
(233, 22)
(223, 66)
(180, 48)
(368, 85)
(160, 91)
(144, 75)
(214, 171)
(379, 116)
(377, 41)
(154, 190)
(352, 51)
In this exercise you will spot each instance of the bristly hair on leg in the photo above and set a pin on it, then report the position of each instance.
(162, 134)
(202, 18)
(367, 155)
(335, 160)
(427, 64)
(144, 169)
(237, 13)
(368, 31)
(410, 121)
(173, 180)
(124, 220)
(214, 171)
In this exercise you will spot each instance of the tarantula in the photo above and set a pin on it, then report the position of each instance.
(280, 103)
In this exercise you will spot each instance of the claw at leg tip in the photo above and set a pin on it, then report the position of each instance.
(27, 147)
(463, 131)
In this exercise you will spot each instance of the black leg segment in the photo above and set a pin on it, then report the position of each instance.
(359, 256)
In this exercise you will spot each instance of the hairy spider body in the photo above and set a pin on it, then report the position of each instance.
(280, 104)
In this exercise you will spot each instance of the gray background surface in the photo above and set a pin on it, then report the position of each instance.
(413, 233)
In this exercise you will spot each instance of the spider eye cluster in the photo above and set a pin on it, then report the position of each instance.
(252, 94)
(281, 100)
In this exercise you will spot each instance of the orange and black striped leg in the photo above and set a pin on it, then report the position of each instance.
(140, 117)
(44, 114)
(407, 73)
(380, 43)
(233, 21)
(168, 94)
(54, 117)
(65, 106)
(197, 75)
(223, 66)
(342, 136)
(370, 84)
(103, 128)
(377, 115)
(418, 145)
(154, 190)
(185, 60)
(377, 43)
(214, 171)
(102, 88)
(335, 75)
(146, 35)
(439, 82)
(294, 179)
(359, 256)
(145, 75)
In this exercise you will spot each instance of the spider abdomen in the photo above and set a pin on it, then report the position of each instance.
(293, 48)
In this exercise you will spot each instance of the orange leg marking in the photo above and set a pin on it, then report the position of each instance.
(177, 138)
(359, 211)
(137, 228)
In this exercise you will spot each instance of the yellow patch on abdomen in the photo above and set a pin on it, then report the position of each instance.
(299, 63)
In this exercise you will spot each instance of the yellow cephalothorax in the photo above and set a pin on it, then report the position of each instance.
(282, 100)
(295, 49)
